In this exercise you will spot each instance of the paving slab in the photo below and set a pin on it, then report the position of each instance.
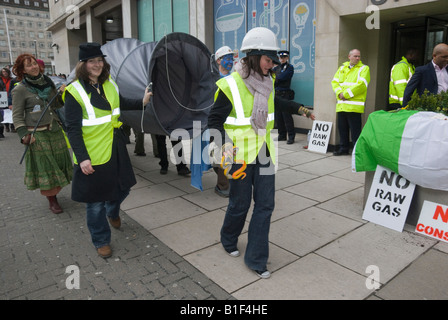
(425, 279)
(231, 273)
(162, 213)
(373, 245)
(323, 188)
(309, 230)
(309, 278)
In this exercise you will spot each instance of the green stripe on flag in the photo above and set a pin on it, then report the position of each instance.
(380, 141)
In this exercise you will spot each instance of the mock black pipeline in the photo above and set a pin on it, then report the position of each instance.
(37, 124)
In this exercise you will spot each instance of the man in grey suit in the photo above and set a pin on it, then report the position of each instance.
(432, 76)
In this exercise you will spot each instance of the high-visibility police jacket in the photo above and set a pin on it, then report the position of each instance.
(353, 83)
(399, 77)
(238, 126)
(97, 125)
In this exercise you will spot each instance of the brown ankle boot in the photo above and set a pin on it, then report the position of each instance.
(54, 205)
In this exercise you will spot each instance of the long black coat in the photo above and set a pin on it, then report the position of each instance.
(110, 179)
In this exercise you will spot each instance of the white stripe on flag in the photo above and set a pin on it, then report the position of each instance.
(424, 151)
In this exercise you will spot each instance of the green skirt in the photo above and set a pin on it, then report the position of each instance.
(48, 162)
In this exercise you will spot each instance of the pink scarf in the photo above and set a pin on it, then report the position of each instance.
(261, 88)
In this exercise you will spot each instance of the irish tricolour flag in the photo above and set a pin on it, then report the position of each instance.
(411, 143)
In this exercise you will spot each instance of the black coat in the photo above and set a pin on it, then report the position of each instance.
(110, 180)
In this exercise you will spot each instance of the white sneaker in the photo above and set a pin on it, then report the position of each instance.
(263, 274)
(234, 254)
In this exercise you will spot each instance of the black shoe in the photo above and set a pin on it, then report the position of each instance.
(222, 193)
(281, 138)
(183, 171)
(290, 141)
(164, 171)
(140, 154)
(340, 153)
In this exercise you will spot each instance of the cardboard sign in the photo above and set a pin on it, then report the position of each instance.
(433, 221)
(389, 199)
(3, 100)
(320, 136)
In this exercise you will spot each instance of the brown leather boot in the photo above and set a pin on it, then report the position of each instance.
(104, 251)
(116, 223)
(54, 205)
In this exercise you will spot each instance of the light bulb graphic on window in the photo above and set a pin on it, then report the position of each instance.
(301, 13)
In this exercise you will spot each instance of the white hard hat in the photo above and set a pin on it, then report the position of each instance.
(260, 39)
(223, 51)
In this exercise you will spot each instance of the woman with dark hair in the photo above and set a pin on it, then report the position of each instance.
(103, 174)
(48, 164)
(244, 114)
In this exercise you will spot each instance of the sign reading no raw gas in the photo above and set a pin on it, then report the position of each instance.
(389, 199)
(320, 136)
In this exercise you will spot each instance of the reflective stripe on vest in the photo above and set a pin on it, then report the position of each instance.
(238, 125)
(241, 119)
(93, 120)
(397, 87)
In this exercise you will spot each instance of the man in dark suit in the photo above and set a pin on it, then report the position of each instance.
(432, 76)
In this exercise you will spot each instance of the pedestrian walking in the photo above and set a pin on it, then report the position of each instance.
(103, 174)
(244, 112)
(47, 161)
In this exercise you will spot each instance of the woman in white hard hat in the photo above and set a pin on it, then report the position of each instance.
(244, 113)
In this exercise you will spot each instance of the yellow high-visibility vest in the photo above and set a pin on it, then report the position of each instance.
(400, 75)
(238, 126)
(98, 125)
(353, 83)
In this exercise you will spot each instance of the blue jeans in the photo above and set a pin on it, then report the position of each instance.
(97, 213)
(263, 188)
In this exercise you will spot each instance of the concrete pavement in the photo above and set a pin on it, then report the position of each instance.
(168, 247)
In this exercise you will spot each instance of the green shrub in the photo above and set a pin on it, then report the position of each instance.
(429, 102)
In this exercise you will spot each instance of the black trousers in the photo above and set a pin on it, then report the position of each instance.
(285, 122)
(348, 123)
(163, 153)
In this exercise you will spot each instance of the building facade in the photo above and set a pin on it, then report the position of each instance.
(319, 35)
(23, 25)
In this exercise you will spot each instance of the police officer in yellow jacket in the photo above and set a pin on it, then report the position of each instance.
(350, 85)
(400, 75)
(103, 173)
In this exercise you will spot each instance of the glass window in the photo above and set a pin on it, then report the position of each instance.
(156, 18)
(181, 14)
(145, 21)
(163, 20)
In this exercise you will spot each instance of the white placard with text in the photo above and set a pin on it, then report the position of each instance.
(3, 99)
(320, 136)
(433, 221)
(389, 199)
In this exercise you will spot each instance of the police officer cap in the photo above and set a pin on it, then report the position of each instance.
(90, 50)
(283, 53)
